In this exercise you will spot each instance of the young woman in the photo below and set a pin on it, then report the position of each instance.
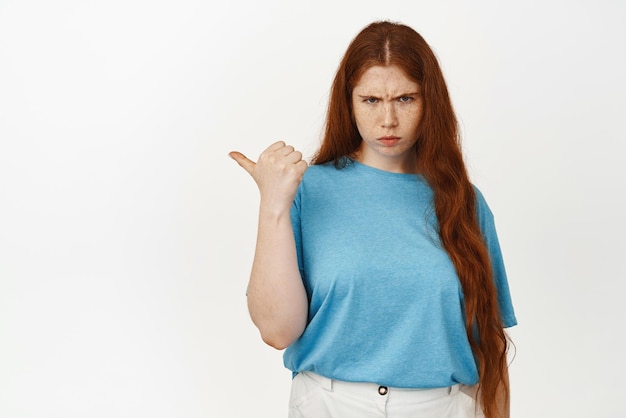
(378, 267)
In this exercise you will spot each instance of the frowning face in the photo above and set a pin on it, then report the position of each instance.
(387, 108)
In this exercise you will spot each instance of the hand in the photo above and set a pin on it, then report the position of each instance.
(277, 173)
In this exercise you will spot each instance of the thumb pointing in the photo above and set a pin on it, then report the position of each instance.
(243, 161)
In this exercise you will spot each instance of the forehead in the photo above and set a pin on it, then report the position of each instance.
(388, 79)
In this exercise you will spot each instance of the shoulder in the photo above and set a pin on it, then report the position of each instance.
(320, 173)
(484, 214)
(482, 208)
(325, 181)
(316, 178)
(320, 169)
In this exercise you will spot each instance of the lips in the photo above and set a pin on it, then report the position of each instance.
(389, 141)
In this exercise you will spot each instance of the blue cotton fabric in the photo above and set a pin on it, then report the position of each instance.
(386, 305)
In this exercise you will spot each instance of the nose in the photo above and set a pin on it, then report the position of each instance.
(390, 118)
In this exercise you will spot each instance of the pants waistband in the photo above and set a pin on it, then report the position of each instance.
(367, 389)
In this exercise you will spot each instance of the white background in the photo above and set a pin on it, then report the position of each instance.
(126, 233)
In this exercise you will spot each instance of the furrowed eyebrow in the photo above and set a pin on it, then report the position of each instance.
(408, 94)
(372, 96)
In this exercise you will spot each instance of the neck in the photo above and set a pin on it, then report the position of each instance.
(393, 165)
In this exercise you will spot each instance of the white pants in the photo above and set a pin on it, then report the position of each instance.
(315, 396)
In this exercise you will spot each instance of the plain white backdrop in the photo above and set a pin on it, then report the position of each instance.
(127, 234)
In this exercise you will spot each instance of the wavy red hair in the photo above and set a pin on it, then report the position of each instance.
(440, 161)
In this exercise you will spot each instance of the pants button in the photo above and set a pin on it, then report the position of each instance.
(382, 390)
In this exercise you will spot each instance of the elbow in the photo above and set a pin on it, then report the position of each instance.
(281, 336)
(279, 341)
(276, 343)
(280, 329)
(277, 333)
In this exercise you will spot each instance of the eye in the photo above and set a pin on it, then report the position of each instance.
(371, 100)
(405, 99)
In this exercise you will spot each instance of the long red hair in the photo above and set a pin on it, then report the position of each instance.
(440, 161)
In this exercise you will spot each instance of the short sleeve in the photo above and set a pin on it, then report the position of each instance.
(296, 223)
(488, 229)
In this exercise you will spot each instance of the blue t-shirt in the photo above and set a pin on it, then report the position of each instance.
(385, 303)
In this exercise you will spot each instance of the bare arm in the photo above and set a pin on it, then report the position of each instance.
(277, 300)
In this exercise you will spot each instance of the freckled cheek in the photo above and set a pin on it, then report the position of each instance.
(411, 117)
(365, 119)
(361, 125)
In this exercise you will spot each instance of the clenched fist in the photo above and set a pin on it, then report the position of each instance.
(277, 173)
